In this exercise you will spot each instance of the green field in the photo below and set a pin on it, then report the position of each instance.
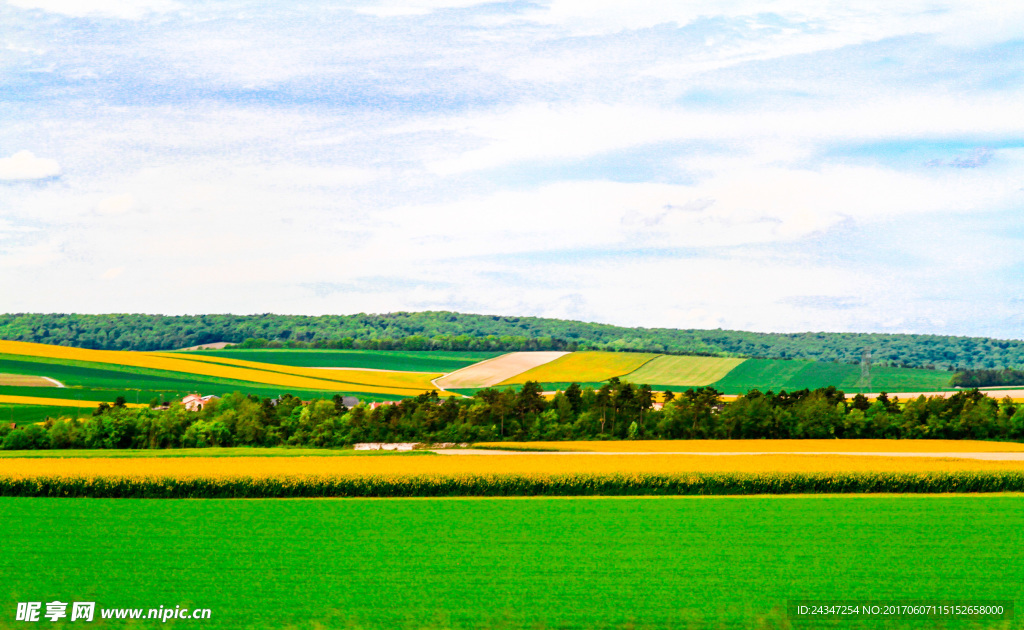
(81, 377)
(765, 374)
(30, 414)
(683, 370)
(105, 382)
(510, 563)
(438, 361)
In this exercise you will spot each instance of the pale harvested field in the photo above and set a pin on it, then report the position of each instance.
(217, 345)
(1016, 394)
(493, 371)
(24, 380)
(771, 446)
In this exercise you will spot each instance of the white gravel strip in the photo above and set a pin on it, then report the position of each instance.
(1010, 457)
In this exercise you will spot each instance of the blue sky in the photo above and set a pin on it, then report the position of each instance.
(772, 166)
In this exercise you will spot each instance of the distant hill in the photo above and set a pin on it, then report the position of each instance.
(444, 330)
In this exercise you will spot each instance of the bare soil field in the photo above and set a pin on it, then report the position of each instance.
(24, 380)
(494, 371)
(217, 345)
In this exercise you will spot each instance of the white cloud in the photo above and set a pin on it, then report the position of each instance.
(739, 205)
(556, 132)
(24, 165)
(112, 273)
(118, 204)
(123, 9)
(974, 21)
(398, 8)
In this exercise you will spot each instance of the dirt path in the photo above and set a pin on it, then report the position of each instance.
(1001, 457)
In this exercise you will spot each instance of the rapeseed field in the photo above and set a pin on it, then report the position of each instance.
(514, 475)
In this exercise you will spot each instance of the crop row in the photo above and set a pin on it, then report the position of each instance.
(702, 484)
(370, 381)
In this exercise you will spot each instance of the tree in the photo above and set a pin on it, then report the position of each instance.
(574, 394)
(645, 401)
(603, 401)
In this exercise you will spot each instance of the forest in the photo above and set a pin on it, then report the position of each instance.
(988, 378)
(615, 411)
(444, 330)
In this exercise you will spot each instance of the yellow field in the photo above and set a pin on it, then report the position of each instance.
(379, 378)
(368, 381)
(24, 380)
(583, 367)
(287, 467)
(771, 446)
(56, 402)
(683, 371)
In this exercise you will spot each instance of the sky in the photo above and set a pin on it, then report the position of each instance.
(765, 165)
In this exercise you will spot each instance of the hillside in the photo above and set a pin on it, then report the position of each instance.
(442, 330)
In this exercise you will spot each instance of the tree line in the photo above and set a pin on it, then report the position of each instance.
(988, 378)
(444, 330)
(615, 411)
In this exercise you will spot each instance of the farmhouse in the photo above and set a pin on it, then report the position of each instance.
(195, 402)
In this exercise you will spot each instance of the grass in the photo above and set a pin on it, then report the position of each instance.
(433, 361)
(511, 563)
(583, 367)
(765, 374)
(683, 371)
(30, 414)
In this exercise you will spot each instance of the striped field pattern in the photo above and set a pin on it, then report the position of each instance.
(368, 381)
(683, 371)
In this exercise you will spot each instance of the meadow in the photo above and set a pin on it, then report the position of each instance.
(30, 414)
(575, 563)
(775, 374)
